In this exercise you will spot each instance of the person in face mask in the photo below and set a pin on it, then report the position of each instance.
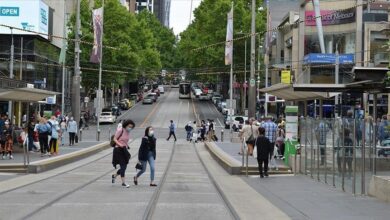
(72, 130)
(121, 155)
(147, 154)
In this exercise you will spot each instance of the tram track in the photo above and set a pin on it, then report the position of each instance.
(68, 193)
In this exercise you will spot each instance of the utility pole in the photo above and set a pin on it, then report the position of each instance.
(100, 93)
(76, 77)
(252, 98)
(337, 80)
(266, 62)
(245, 84)
(64, 45)
(11, 75)
(19, 110)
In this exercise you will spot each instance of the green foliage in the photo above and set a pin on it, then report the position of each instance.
(209, 27)
(143, 45)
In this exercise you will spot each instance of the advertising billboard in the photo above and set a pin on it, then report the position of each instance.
(330, 17)
(31, 15)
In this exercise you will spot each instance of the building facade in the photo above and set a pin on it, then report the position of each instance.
(353, 32)
(36, 54)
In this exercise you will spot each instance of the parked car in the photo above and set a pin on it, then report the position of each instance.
(238, 122)
(214, 99)
(221, 105)
(155, 96)
(197, 93)
(149, 99)
(134, 97)
(114, 109)
(128, 103)
(203, 97)
(107, 117)
(161, 88)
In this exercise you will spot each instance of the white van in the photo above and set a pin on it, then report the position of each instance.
(161, 88)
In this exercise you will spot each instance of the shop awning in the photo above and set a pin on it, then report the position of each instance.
(286, 92)
(25, 94)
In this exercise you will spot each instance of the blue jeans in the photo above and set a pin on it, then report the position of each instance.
(151, 164)
(189, 134)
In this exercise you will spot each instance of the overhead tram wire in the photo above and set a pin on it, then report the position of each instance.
(281, 27)
(196, 71)
(54, 36)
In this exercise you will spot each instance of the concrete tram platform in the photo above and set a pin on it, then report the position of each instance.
(226, 154)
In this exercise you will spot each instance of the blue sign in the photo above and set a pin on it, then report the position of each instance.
(9, 11)
(328, 58)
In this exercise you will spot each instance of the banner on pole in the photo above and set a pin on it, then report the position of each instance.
(97, 18)
(229, 39)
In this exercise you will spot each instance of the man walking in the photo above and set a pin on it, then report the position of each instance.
(189, 130)
(270, 133)
(172, 129)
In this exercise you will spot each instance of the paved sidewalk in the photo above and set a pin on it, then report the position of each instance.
(88, 140)
(303, 198)
(233, 148)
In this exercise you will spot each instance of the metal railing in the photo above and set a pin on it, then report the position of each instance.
(344, 152)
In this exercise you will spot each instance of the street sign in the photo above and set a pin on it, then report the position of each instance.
(252, 82)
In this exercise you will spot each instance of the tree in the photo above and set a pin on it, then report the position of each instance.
(142, 45)
(209, 27)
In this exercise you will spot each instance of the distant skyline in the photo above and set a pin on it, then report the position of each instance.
(180, 14)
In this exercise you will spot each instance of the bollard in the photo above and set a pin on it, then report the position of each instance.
(81, 135)
(98, 135)
(222, 135)
(109, 134)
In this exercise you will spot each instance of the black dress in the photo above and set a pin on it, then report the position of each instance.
(120, 156)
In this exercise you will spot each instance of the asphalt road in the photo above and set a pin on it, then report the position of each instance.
(86, 192)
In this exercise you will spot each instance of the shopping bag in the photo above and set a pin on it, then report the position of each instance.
(255, 152)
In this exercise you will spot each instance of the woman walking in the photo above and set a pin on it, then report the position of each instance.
(121, 155)
(147, 154)
(263, 146)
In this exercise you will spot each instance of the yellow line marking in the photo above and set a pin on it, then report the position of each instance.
(149, 115)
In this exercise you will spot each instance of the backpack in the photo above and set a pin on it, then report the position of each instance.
(112, 142)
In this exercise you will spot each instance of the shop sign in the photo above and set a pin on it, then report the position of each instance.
(331, 17)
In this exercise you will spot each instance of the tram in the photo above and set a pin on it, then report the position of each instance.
(184, 90)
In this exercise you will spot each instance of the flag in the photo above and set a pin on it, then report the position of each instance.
(97, 18)
(229, 39)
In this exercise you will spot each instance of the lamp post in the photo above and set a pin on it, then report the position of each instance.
(245, 83)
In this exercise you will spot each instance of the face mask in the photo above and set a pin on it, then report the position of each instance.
(129, 129)
(151, 133)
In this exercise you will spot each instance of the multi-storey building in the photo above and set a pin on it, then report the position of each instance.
(353, 32)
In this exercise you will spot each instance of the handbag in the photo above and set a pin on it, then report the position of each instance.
(138, 166)
(251, 139)
(112, 142)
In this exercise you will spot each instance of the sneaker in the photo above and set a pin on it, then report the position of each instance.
(11, 157)
(125, 185)
(261, 176)
(47, 154)
(113, 178)
(266, 174)
(3, 157)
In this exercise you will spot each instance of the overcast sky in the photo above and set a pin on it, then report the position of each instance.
(180, 14)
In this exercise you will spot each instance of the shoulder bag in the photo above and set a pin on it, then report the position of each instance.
(251, 140)
(112, 142)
